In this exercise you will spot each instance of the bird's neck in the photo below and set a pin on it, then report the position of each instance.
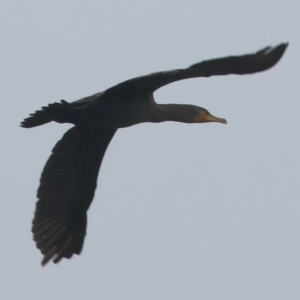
(176, 112)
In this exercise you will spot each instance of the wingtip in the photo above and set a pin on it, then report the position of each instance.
(283, 46)
(271, 55)
(48, 255)
(278, 48)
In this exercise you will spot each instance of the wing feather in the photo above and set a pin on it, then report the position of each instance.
(66, 190)
(243, 64)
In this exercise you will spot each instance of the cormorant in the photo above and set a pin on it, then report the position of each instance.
(69, 178)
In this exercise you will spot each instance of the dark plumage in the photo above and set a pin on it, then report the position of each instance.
(69, 178)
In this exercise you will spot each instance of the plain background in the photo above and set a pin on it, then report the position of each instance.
(181, 211)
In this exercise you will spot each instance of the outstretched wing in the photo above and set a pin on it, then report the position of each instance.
(66, 190)
(244, 64)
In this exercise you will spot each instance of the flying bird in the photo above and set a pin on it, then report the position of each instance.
(69, 178)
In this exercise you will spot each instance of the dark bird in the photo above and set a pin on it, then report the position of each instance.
(69, 178)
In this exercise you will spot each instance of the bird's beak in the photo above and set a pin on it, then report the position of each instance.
(211, 118)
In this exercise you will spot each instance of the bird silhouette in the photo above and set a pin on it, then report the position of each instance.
(69, 178)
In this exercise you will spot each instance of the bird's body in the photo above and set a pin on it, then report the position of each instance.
(69, 178)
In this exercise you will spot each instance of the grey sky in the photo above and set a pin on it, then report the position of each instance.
(181, 211)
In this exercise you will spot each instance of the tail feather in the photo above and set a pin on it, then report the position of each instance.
(52, 112)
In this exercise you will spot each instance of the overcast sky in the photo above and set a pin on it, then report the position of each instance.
(202, 211)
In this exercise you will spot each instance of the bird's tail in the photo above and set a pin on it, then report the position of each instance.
(53, 112)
